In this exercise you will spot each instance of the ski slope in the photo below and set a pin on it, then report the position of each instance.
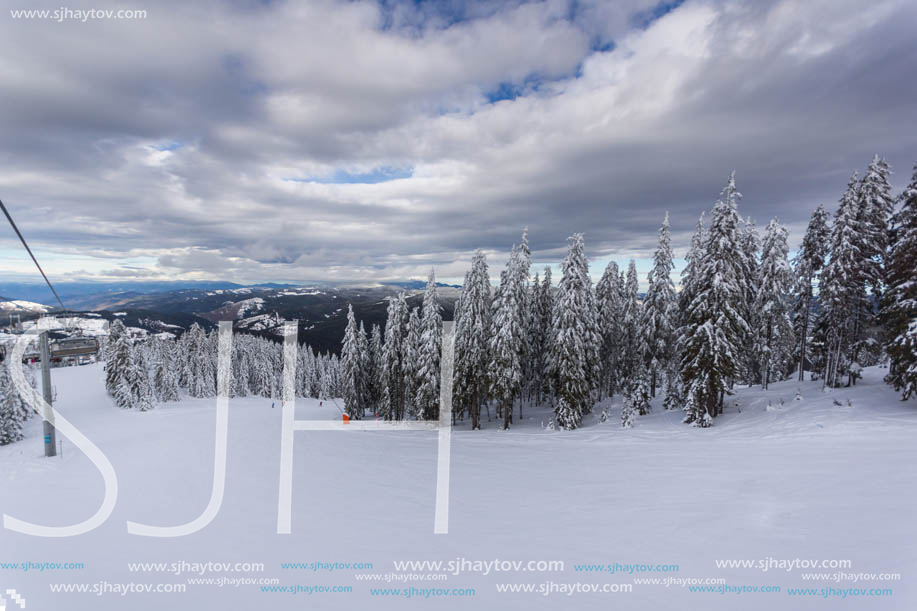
(775, 477)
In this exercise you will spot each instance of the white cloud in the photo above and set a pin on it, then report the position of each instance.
(791, 95)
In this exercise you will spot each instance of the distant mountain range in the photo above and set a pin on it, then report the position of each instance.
(157, 307)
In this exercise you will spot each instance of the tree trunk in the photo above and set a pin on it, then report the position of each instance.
(802, 341)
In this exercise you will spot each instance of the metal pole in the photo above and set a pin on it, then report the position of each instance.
(50, 434)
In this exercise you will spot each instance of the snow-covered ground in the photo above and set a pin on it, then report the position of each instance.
(782, 478)
(21, 306)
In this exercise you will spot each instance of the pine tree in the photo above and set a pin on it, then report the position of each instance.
(535, 362)
(875, 209)
(674, 393)
(609, 303)
(11, 412)
(165, 382)
(374, 370)
(202, 373)
(842, 290)
(632, 343)
(689, 280)
(641, 394)
(138, 381)
(544, 306)
(118, 365)
(716, 327)
(365, 368)
(637, 398)
(410, 358)
(659, 309)
(628, 413)
(899, 311)
(570, 340)
(808, 266)
(506, 340)
(428, 353)
(472, 335)
(328, 385)
(523, 297)
(352, 361)
(750, 245)
(689, 274)
(393, 353)
(775, 331)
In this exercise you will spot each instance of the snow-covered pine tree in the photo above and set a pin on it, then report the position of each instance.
(684, 329)
(365, 368)
(899, 311)
(505, 370)
(632, 353)
(327, 386)
(262, 377)
(674, 392)
(472, 334)
(302, 371)
(532, 331)
(775, 331)
(183, 361)
(876, 207)
(374, 370)
(609, 302)
(808, 265)
(411, 366)
(544, 306)
(523, 298)
(689, 274)
(202, 374)
(842, 290)
(138, 381)
(659, 309)
(750, 246)
(715, 326)
(11, 413)
(570, 339)
(429, 352)
(165, 382)
(608, 298)
(393, 352)
(335, 369)
(352, 361)
(23, 409)
(637, 397)
(238, 380)
(628, 413)
(118, 365)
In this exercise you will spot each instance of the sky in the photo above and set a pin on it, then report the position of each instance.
(363, 140)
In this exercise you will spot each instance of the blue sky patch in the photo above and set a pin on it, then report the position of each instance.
(374, 176)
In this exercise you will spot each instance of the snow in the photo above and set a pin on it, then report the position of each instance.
(808, 480)
(249, 305)
(18, 305)
(262, 322)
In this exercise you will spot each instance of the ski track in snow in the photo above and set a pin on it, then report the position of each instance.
(805, 479)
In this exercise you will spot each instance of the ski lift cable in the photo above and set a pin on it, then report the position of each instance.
(34, 260)
(29, 250)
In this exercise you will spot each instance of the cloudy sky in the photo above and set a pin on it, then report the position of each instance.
(326, 140)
